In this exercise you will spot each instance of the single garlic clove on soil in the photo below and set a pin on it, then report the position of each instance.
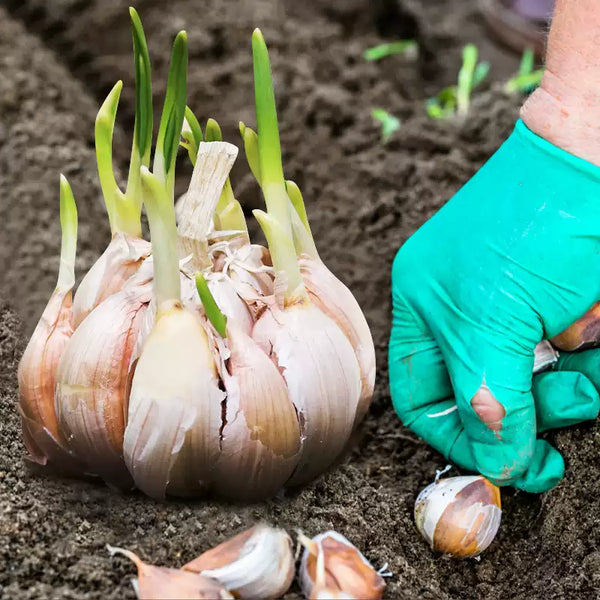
(323, 379)
(121, 259)
(260, 443)
(161, 583)
(329, 294)
(332, 567)
(459, 515)
(172, 436)
(256, 564)
(93, 381)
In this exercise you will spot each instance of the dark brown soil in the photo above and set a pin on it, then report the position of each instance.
(57, 59)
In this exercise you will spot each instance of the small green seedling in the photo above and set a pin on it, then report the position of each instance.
(527, 79)
(456, 99)
(408, 48)
(389, 123)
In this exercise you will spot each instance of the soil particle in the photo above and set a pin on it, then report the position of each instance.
(364, 199)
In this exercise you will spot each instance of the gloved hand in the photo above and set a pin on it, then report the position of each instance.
(513, 258)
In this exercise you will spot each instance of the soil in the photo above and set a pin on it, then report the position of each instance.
(57, 60)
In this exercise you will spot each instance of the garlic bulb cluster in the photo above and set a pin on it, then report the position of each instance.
(200, 361)
(459, 515)
(332, 567)
(258, 564)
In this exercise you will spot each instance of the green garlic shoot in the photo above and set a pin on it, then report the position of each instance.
(527, 79)
(68, 226)
(389, 123)
(212, 311)
(191, 134)
(408, 48)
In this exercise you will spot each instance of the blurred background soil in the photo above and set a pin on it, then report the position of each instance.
(58, 59)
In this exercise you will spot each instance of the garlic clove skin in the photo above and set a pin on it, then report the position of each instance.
(230, 303)
(459, 515)
(37, 380)
(329, 294)
(172, 436)
(584, 333)
(256, 564)
(260, 443)
(93, 381)
(161, 583)
(121, 259)
(323, 379)
(332, 567)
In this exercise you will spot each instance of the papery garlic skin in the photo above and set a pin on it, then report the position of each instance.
(121, 259)
(159, 583)
(329, 294)
(332, 567)
(323, 379)
(260, 441)
(93, 380)
(172, 435)
(256, 564)
(230, 303)
(37, 379)
(459, 515)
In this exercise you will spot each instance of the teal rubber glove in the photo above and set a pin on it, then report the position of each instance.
(512, 259)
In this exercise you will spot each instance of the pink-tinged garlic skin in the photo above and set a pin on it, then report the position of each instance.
(333, 568)
(329, 294)
(323, 378)
(37, 379)
(260, 444)
(93, 382)
(121, 259)
(459, 516)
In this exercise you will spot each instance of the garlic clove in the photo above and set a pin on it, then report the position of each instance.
(260, 443)
(230, 303)
(256, 564)
(121, 259)
(93, 381)
(332, 567)
(329, 294)
(172, 435)
(323, 379)
(161, 583)
(37, 367)
(459, 515)
(584, 333)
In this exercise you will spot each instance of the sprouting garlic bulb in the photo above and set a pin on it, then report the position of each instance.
(332, 567)
(93, 382)
(258, 563)
(37, 368)
(459, 515)
(322, 376)
(121, 259)
(158, 583)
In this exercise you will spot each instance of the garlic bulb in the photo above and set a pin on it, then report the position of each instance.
(258, 563)
(162, 583)
(459, 515)
(37, 368)
(93, 381)
(332, 567)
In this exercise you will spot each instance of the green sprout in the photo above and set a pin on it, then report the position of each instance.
(407, 47)
(527, 79)
(389, 123)
(68, 226)
(456, 99)
(191, 134)
(212, 311)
